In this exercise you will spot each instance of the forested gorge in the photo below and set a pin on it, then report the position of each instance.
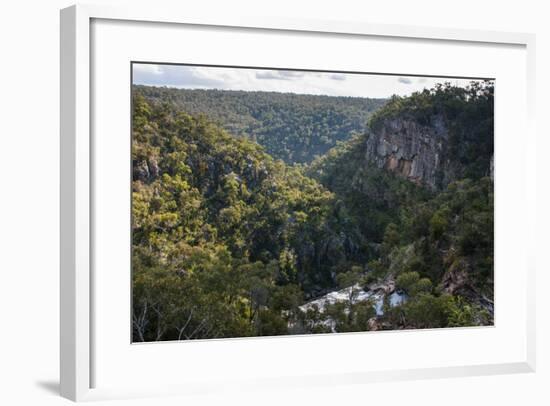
(240, 229)
(293, 127)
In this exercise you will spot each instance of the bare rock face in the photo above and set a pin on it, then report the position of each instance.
(385, 287)
(455, 280)
(146, 170)
(373, 324)
(141, 171)
(408, 148)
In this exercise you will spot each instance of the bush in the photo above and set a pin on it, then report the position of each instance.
(407, 280)
(428, 311)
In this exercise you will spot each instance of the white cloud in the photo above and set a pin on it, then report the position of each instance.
(277, 75)
(338, 76)
(174, 75)
(405, 81)
(328, 83)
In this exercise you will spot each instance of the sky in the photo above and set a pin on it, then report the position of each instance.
(323, 83)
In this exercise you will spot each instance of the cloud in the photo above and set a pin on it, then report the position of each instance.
(291, 74)
(295, 75)
(173, 75)
(337, 76)
(268, 74)
(279, 74)
(283, 80)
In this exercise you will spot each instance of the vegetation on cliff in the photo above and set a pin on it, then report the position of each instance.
(467, 115)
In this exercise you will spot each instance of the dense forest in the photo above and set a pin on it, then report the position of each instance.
(293, 127)
(234, 237)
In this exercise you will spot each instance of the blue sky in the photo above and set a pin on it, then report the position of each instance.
(333, 84)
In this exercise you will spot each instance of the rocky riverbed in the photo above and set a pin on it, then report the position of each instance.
(375, 293)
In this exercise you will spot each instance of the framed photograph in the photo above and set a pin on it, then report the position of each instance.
(263, 203)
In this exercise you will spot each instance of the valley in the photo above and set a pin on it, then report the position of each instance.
(265, 213)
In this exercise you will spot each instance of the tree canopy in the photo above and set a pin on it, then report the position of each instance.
(230, 237)
(293, 127)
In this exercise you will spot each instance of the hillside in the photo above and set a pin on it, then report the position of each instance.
(419, 183)
(229, 241)
(293, 127)
(218, 222)
(436, 136)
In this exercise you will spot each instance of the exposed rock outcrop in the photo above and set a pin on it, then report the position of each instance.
(375, 324)
(456, 281)
(146, 170)
(408, 148)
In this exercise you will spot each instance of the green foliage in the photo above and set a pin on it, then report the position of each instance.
(466, 111)
(426, 310)
(372, 198)
(349, 318)
(291, 127)
(391, 238)
(349, 278)
(411, 283)
(464, 314)
(406, 280)
(229, 242)
(223, 227)
(439, 222)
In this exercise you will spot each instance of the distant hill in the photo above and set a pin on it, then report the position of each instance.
(293, 127)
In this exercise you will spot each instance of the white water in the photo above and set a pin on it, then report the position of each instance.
(360, 295)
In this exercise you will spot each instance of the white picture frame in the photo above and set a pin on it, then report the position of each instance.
(77, 325)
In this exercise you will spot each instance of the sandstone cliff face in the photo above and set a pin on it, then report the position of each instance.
(418, 151)
(146, 170)
(409, 149)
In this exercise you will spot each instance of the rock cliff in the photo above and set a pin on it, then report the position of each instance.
(409, 149)
(420, 151)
